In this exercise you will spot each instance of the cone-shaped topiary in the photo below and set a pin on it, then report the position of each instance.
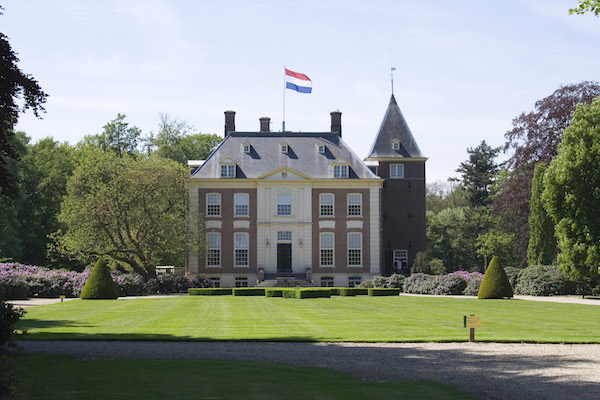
(495, 284)
(100, 284)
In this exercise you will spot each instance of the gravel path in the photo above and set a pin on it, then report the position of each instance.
(486, 370)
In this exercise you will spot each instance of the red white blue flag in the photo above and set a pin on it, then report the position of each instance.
(297, 81)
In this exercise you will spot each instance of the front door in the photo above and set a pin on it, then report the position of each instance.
(284, 257)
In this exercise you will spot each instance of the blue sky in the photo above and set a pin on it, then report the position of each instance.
(464, 69)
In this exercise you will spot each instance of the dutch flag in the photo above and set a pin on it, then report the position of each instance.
(298, 82)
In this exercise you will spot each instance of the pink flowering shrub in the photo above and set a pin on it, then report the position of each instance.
(456, 283)
(18, 281)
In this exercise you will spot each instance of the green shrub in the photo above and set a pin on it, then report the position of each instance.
(249, 292)
(335, 291)
(353, 291)
(383, 292)
(513, 275)
(273, 292)
(495, 284)
(543, 280)
(209, 291)
(100, 284)
(313, 293)
(290, 293)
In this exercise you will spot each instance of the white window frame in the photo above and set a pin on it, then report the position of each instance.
(340, 171)
(355, 240)
(284, 236)
(227, 170)
(396, 171)
(285, 147)
(241, 242)
(241, 282)
(213, 204)
(400, 255)
(241, 209)
(327, 250)
(395, 144)
(247, 148)
(326, 208)
(284, 209)
(321, 148)
(213, 249)
(354, 209)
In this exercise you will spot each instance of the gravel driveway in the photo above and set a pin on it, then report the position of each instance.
(486, 370)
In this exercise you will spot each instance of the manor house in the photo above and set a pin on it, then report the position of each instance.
(297, 208)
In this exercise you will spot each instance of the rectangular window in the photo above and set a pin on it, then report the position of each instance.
(321, 148)
(327, 281)
(241, 282)
(340, 171)
(284, 204)
(240, 204)
(396, 171)
(215, 282)
(213, 204)
(326, 249)
(227, 171)
(284, 148)
(247, 148)
(326, 205)
(354, 249)
(396, 145)
(284, 236)
(354, 281)
(355, 204)
(213, 246)
(241, 249)
(400, 256)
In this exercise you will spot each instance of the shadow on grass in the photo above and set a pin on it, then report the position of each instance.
(490, 371)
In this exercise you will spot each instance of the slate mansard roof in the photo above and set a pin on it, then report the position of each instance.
(265, 155)
(394, 127)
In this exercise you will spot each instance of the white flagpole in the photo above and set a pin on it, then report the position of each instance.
(284, 83)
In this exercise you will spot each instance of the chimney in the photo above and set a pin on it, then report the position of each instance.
(229, 122)
(265, 124)
(336, 122)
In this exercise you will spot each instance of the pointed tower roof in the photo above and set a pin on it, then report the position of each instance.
(394, 129)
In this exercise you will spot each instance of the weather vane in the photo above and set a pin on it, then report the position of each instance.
(392, 76)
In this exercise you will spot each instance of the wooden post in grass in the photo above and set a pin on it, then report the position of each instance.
(472, 322)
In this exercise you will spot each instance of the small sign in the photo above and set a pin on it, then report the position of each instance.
(473, 321)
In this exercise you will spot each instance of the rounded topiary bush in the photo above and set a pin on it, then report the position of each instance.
(495, 284)
(100, 284)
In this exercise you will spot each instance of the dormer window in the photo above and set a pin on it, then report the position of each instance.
(395, 144)
(247, 147)
(321, 148)
(340, 169)
(284, 147)
(228, 167)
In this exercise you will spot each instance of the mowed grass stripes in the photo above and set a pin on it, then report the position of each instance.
(337, 319)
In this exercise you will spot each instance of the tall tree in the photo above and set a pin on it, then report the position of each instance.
(478, 173)
(178, 141)
(542, 243)
(14, 85)
(132, 211)
(572, 193)
(534, 138)
(117, 137)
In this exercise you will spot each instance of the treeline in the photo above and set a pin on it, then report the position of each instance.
(100, 196)
(538, 208)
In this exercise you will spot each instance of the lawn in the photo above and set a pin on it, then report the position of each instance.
(338, 319)
(64, 377)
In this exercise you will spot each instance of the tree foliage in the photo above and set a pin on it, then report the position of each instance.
(117, 137)
(479, 172)
(585, 6)
(178, 141)
(572, 193)
(132, 211)
(542, 243)
(18, 92)
(534, 138)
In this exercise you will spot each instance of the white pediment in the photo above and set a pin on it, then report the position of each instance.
(284, 174)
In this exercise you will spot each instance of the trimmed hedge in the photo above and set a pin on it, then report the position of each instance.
(99, 284)
(495, 284)
(353, 291)
(306, 293)
(383, 292)
(210, 291)
(249, 292)
(273, 292)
